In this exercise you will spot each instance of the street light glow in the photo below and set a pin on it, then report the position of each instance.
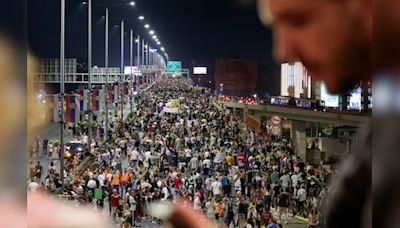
(158, 42)
(141, 18)
(154, 37)
(151, 32)
(147, 26)
(132, 3)
(162, 49)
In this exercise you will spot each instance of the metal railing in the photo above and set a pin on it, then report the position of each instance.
(99, 78)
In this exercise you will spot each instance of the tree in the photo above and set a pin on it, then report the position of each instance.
(327, 130)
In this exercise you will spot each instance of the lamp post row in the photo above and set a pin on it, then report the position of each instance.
(145, 60)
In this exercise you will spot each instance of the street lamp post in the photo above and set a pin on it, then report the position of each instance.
(143, 52)
(147, 54)
(131, 66)
(90, 73)
(122, 70)
(106, 65)
(138, 58)
(62, 70)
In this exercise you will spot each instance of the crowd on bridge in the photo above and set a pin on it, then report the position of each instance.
(196, 154)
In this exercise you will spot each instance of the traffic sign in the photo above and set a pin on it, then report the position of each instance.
(276, 131)
(276, 120)
(174, 66)
(276, 125)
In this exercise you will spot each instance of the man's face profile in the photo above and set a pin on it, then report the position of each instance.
(331, 37)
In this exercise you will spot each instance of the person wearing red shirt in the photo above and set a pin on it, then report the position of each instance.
(266, 216)
(114, 203)
(177, 182)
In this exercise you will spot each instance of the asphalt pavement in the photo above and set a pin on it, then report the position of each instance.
(51, 131)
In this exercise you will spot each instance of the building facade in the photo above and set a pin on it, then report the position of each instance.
(49, 66)
(295, 81)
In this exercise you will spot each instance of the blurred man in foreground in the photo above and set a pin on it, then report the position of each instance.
(333, 39)
(386, 124)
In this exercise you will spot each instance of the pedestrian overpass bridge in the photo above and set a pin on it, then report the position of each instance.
(100, 78)
(297, 118)
(335, 117)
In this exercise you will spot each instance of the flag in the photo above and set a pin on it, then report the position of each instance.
(95, 99)
(79, 92)
(67, 109)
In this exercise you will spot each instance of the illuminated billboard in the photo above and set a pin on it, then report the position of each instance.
(200, 70)
(355, 99)
(132, 70)
(330, 99)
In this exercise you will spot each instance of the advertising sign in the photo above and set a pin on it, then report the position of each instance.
(330, 99)
(200, 70)
(355, 99)
(132, 70)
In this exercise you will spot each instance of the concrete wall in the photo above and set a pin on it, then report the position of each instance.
(298, 135)
(332, 147)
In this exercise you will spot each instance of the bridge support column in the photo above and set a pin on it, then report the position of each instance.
(56, 108)
(298, 135)
(245, 112)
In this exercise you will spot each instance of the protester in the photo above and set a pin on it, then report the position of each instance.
(197, 155)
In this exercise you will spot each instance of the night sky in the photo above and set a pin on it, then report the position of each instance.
(197, 32)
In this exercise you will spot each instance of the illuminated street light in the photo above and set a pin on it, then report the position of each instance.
(147, 26)
(158, 42)
(141, 18)
(132, 3)
(41, 94)
(154, 37)
(151, 32)
(162, 49)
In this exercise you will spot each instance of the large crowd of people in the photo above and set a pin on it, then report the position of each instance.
(195, 154)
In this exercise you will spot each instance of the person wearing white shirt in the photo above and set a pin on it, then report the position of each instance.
(132, 208)
(206, 163)
(301, 198)
(147, 156)
(109, 177)
(33, 186)
(216, 187)
(85, 139)
(295, 179)
(91, 184)
(194, 163)
(165, 193)
(101, 179)
(135, 155)
(197, 203)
